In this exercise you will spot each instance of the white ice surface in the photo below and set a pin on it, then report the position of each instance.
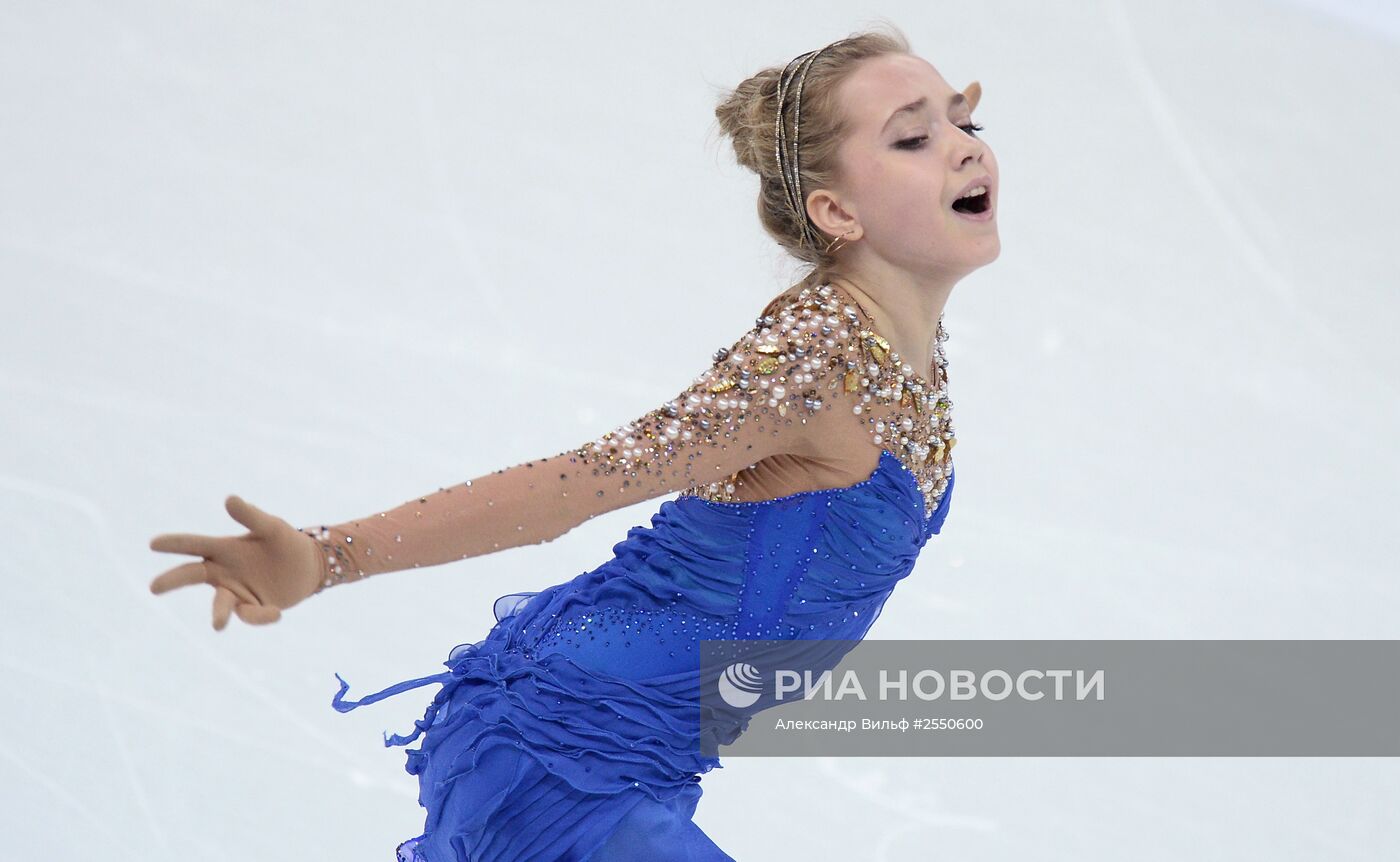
(329, 256)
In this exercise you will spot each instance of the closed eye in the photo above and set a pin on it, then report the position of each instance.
(918, 143)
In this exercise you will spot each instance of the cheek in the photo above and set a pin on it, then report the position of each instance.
(917, 205)
(906, 193)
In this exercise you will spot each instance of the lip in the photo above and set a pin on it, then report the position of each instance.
(985, 215)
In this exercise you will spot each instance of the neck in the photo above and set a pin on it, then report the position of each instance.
(905, 307)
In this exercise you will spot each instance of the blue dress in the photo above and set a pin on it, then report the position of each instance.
(570, 732)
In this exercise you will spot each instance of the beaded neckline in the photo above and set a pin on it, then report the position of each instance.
(869, 323)
(925, 450)
(821, 346)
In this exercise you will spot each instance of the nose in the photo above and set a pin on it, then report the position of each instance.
(968, 150)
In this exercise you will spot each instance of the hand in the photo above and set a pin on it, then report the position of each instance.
(258, 575)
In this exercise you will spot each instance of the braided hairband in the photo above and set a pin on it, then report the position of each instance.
(792, 184)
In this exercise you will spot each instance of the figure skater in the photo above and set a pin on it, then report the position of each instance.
(812, 461)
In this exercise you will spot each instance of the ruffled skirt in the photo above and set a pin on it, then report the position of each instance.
(531, 757)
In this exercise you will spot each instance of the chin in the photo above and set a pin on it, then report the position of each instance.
(995, 252)
(987, 251)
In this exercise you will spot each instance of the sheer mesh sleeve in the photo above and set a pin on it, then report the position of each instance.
(752, 402)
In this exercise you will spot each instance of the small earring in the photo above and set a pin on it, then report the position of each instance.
(835, 245)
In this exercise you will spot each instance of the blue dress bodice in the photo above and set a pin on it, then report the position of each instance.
(814, 564)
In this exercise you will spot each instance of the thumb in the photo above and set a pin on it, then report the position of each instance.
(255, 519)
(257, 615)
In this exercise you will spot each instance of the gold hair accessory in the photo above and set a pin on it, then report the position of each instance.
(792, 173)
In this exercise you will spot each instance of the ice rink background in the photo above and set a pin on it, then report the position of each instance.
(331, 256)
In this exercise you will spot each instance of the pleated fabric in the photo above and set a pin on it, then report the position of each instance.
(573, 730)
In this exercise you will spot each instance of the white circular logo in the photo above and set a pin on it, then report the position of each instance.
(740, 685)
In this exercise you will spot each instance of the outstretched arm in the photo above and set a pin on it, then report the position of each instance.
(806, 354)
(752, 402)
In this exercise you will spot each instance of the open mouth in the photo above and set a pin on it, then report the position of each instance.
(973, 204)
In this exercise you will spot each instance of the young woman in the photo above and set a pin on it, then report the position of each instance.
(812, 460)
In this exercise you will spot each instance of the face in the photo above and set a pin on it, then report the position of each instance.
(900, 171)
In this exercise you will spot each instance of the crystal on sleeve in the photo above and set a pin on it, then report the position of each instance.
(752, 402)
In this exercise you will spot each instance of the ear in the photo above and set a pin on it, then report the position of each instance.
(973, 92)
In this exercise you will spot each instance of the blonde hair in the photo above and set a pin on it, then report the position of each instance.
(747, 114)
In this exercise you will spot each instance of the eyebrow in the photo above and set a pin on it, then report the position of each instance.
(919, 104)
